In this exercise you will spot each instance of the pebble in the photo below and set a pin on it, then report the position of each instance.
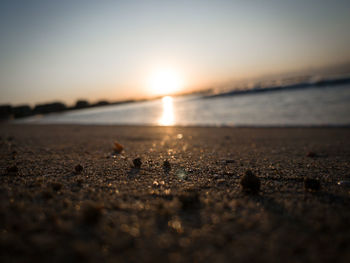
(166, 166)
(250, 183)
(78, 169)
(181, 174)
(137, 163)
(118, 148)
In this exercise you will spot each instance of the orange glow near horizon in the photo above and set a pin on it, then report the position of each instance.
(168, 118)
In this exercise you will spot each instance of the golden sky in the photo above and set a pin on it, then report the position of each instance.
(69, 50)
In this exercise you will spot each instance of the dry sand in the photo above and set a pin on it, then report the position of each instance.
(195, 212)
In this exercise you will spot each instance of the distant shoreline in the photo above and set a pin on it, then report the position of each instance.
(302, 85)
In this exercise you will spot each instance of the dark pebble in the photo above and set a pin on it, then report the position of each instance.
(137, 163)
(250, 183)
(229, 161)
(312, 184)
(78, 169)
(166, 166)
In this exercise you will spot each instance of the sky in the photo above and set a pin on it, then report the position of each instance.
(94, 50)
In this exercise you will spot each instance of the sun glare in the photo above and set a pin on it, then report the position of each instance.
(165, 82)
(167, 118)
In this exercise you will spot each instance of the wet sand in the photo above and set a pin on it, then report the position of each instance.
(193, 211)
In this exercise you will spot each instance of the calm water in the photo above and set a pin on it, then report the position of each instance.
(313, 106)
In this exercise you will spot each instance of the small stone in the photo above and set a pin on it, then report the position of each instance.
(250, 183)
(12, 170)
(181, 174)
(78, 169)
(311, 184)
(166, 166)
(137, 163)
(118, 148)
(229, 161)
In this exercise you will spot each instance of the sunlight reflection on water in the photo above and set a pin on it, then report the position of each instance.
(167, 118)
(312, 106)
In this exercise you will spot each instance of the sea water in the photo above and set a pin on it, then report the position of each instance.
(328, 106)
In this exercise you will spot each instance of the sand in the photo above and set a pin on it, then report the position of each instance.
(194, 210)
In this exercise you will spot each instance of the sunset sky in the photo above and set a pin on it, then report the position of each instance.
(69, 50)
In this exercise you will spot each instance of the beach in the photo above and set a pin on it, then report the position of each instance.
(67, 194)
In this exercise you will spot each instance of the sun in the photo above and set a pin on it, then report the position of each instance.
(165, 82)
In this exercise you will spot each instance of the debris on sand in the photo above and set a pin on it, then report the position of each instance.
(311, 184)
(118, 148)
(137, 163)
(78, 169)
(166, 166)
(181, 174)
(12, 170)
(250, 183)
